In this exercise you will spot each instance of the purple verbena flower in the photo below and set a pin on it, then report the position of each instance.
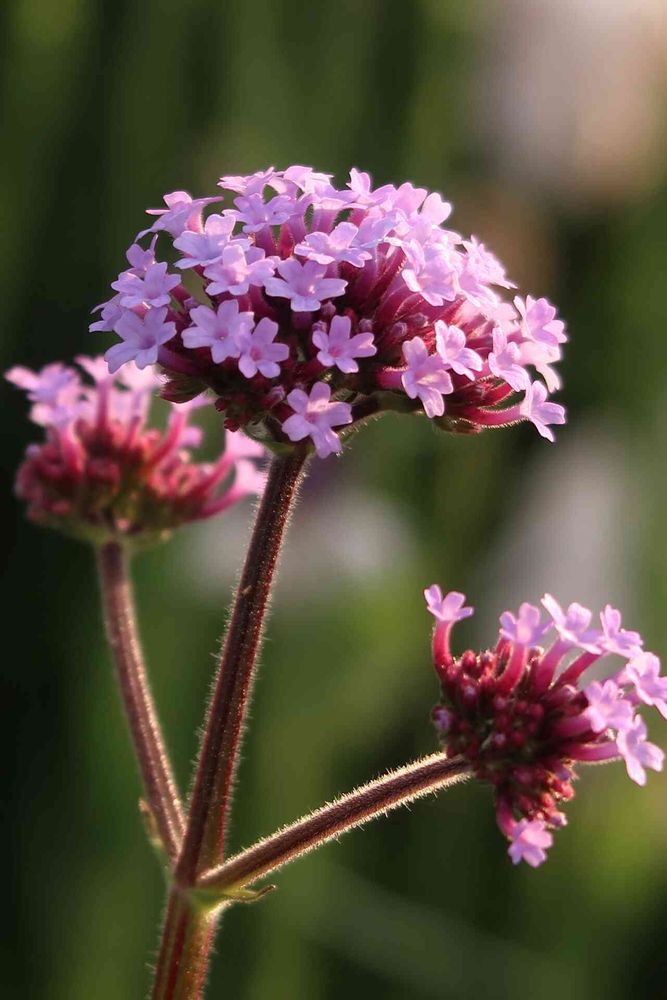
(259, 352)
(573, 625)
(637, 752)
(101, 473)
(54, 392)
(305, 285)
(338, 348)
(237, 268)
(334, 247)
(607, 708)
(110, 312)
(450, 342)
(403, 313)
(643, 672)
(616, 639)
(526, 628)
(251, 183)
(202, 249)
(541, 413)
(255, 214)
(220, 330)
(431, 273)
(530, 842)
(141, 336)
(481, 268)
(182, 211)
(153, 287)
(314, 416)
(505, 361)
(425, 377)
(518, 714)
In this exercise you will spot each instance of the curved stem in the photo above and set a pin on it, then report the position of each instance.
(209, 807)
(396, 788)
(121, 628)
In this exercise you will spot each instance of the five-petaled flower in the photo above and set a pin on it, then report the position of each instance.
(314, 416)
(338, 348)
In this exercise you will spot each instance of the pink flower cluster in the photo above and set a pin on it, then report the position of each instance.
(519, 715)
(101, 473)
(306, 308)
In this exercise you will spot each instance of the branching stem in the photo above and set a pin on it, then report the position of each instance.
(378, 797)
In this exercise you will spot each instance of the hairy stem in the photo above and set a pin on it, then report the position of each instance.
(396, 788)
(187, 939)
(120, 620)
(209, 808)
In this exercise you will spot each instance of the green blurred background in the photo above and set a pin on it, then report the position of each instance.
(544, 122)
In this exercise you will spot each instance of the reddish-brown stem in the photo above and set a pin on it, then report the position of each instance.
(152, 759)
(378, 797)
(187, 938)
(209, 807)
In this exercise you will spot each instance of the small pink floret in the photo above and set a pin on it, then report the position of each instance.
(305, 285)
(426, 377)
(338, 348)
(616, 639)
(530, 842)
(573, 624)
(141, 337)
(607, 708)
(643, 672)
(259, 353)
(451, 346)
(220, 330)
(638, 753)
(534, 407)
(526, 628)
(314, 416)
(539, 321)
(448, 609)
(505, 361)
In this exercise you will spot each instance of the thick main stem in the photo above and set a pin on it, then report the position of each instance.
(396, 788)
(211, 796)
(187, 938)
(152, 759)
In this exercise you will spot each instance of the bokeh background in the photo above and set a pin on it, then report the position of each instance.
(544, 121)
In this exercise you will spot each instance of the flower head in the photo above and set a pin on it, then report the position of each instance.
(519, 716)
(102, 473)
(363, 282)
